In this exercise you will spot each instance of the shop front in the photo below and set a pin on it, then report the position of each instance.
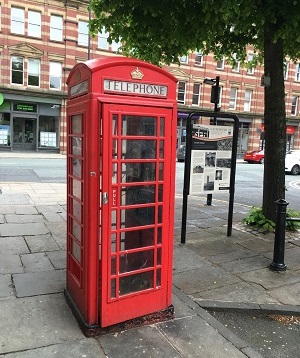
(29, 126)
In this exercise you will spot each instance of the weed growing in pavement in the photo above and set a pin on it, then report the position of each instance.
(255, 217)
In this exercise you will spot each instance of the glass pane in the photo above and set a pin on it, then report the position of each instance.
(115, 124)
(134, 283)
(138, 217)
(113, 219)
(136, 239)
(113, 265)
(77, 209)
(76, 124)
(160, 214)
(161, 171)
(158, 278)
(76, 188)
(113, 242)
(138, 149)
(76, 251)
(159, 256)
(76, 230)
(159, 235)
(136, 261)
(138, 125)
(113, 288)
(137, 195)
(76, 146)
(162, 127)
(76, 167)
(133, 172)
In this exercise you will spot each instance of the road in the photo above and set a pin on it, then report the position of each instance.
(248, 183)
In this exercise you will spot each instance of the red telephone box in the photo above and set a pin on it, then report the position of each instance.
(121, 129)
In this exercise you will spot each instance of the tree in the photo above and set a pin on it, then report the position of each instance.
(160, 31)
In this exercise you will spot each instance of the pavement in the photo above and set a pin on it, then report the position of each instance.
(211, 271)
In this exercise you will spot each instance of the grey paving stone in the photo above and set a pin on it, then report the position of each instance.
(53, 217)
(23, 229)
(193, 337)
(239, 292)
(14, 199)
(270, 279)
(185, 260)
(26, 210)
(2, 219)
(34, 322)
(39, 283)
(146, 342)
(59, 233)
(12, 218)
(213, 247)
(58, 259)
(7, 209)
(13, 246)
(193, 281)
(10, 264)
(6, 290)
(258, 246)
(41, 243)
(287, 295)
(36, 262)
(246, 264)
(231, 256)
(80, 348)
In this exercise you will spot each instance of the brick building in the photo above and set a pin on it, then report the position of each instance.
(42, 40)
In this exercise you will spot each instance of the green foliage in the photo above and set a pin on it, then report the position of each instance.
(255, 217)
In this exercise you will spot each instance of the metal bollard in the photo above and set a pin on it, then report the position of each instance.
(208, 199)
(279, 242)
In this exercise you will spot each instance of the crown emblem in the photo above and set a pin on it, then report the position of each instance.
(137, 74)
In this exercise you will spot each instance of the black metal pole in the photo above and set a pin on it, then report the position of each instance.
(279, 242)
(232, 174)
(187, 173)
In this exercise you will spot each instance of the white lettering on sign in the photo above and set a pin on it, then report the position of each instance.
(135, 87)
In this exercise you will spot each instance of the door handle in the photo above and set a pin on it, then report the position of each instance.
(105, 198)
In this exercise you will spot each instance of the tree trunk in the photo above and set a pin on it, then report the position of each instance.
(274, 125)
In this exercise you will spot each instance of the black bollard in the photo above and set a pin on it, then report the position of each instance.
(279, 242)
(208, 199)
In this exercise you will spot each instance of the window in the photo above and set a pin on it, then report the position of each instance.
(236, 68)
(181, 92)
(83, 33)
(33, 72)
(196, 94)
(294, 109)
(17, 21)
(183, 59)
(55, 75)
(102, 39)
(232, 99)
(198, 59)
(56, 28)
(17, 70)
(34, 23)
(247, 102)
(285, 70)
(297, 72)
(250, 71)
(221, 64)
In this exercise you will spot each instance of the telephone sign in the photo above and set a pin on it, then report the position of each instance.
(121, 125)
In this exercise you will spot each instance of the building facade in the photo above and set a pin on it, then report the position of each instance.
(41, 42)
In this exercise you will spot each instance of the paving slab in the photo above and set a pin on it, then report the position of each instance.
(246, 264)
(23, 229)
(36, 262)
(13, 246)
(213, 247)
(41, 243)
(259, 246)
(6, 287)
(231, 256)
(58, 259)
(194, 337)
(81, 348)
(241, 292)
(7, 209)
(185, 260)
(10, 264)
(14, 199)
(270, 279)
(145, 342)
(14, 218)
(59, 233)
(34, 322)
(287, 295)
(39, 283)
(193, 281)
(26, 210)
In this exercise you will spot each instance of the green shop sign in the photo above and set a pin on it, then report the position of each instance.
(25, 107)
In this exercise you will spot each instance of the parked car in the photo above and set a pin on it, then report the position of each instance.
(181, 153)
(292, 162)
(256, 156)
